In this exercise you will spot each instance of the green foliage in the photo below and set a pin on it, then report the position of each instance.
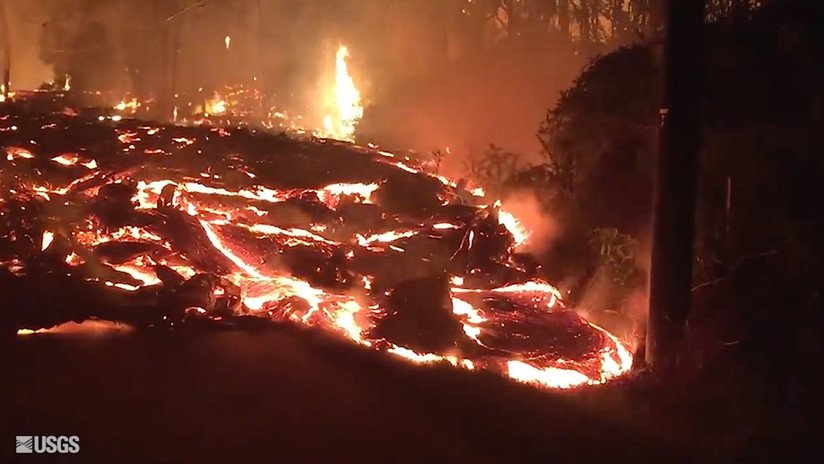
(493, 168)
(616, 257)
(592, 25)
(610, 106)
(758, 230)
(437, 158)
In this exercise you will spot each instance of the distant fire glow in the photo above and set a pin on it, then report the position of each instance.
(215, 105)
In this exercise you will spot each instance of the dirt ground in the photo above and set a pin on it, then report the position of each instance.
(290, 395)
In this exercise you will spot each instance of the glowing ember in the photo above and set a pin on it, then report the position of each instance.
(130, 105)
(74, 259)
(385, 237)
(48, 237)
(365, 191)
(66, 160)
(13, 153)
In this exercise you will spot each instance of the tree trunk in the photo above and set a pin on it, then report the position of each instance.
(585, 25)
(4, 24)
(563, 17)
(656, 16)
(260, 83)
(676, 175)
(174, 53)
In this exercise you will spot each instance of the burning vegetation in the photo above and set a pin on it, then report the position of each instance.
(159, 225)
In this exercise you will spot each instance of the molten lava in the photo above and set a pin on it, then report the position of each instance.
(163, 226)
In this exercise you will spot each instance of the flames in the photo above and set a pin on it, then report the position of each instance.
(336, 111)
(518, 231)
(215, 106)
(342, 102)
(128, 105)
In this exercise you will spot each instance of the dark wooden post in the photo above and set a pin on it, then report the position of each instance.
(676, 176)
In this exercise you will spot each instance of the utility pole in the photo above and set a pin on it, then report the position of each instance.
(676, 179)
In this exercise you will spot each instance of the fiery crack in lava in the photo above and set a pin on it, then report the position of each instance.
(233, 227)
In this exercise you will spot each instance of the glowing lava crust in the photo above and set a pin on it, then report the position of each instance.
(159, 225)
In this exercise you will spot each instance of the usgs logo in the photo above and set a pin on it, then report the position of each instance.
(47, 444)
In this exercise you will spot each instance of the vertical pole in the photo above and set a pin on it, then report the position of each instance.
(676, 177)
(259, 83)
(563, 17)
(4, 24)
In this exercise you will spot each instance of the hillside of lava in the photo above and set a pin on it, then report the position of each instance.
(165, 227)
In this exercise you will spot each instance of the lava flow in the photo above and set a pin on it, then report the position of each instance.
(165, 226)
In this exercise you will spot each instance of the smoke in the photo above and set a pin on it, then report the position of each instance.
(430, 76)
(628, 320)
(25, 19)
(542, 226)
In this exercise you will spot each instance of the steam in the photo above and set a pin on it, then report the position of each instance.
(542, 227)
(629, 321)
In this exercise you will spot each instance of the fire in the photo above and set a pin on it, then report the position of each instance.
(337, 110)
(518, 231)
(74, 259)
(385, 237)
(342, 102)
(131, 105)
(215, 106)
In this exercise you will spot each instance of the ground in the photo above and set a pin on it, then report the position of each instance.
(292, 395)
(286, 395)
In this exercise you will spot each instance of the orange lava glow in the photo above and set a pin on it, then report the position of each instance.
(242, 228)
